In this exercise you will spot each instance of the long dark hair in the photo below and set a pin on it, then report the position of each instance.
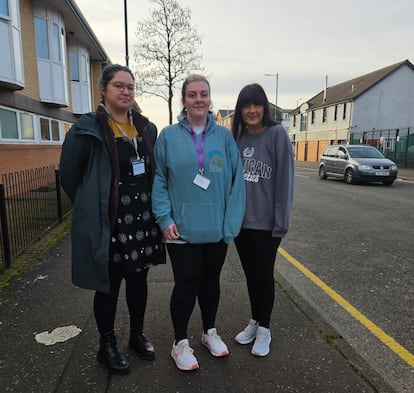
(110, 70)
(251, 94)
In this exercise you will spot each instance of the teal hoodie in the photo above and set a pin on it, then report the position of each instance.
(201, 216)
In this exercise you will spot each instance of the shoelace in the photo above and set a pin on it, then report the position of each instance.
(185, 349)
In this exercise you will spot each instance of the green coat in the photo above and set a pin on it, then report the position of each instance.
(86, 177)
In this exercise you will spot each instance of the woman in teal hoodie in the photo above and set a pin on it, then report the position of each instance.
(199, 202)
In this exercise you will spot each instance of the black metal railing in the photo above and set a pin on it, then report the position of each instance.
(396, 144)
(31, 202)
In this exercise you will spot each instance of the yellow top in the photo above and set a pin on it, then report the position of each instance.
(129, 129)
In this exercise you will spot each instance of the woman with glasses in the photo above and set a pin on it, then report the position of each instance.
(107, 169)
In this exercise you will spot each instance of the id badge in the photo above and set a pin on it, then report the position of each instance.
(201, 181)
(138, 167)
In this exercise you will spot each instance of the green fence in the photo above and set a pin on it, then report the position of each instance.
(396, 144)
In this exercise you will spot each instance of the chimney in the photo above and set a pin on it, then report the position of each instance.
(325, 89)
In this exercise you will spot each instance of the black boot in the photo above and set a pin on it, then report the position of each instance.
(109, 355)
(141, 345)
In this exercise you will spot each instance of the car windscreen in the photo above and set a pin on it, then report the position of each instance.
(364, 152)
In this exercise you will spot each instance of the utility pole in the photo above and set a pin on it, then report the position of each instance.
(276, 76)
(126, 33)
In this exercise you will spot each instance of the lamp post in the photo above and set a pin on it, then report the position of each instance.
(276, 76)
(126, 33)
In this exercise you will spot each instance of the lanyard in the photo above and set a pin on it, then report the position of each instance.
(134, 140)
(199, 149)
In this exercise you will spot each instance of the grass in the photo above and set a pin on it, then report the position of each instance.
(34, 252)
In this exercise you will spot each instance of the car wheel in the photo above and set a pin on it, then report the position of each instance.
(322, 172)
(349, 176)
(388, 182)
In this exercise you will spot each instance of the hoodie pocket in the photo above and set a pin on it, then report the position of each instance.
(201, 222)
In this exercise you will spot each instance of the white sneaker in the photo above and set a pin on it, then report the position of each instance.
(183, 356)
(213, 342)
(248, 335)
(261, 346)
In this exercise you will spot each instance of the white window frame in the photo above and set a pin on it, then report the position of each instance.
(52, 72)
(62, 128)
(80, 80)
(11, 66)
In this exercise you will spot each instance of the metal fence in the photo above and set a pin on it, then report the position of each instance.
(31, 202)
(396, 144)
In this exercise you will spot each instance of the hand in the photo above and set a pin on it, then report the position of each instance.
(171, 232)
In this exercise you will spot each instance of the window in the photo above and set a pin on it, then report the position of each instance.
(26, 126)
(336, 113)
(8, 124)
(313, 117)
(11, 62)
(80, 79)
(49, 129)
(42, 40)
(74, 65)
(324, 115)
(303, 122)
(55, 130)
(344, 112)
(51, 59)
(4, 7)
(294, 121)
(44, 129)
(56, 48)
(341, 153)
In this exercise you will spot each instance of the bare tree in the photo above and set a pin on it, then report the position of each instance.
(166, 50)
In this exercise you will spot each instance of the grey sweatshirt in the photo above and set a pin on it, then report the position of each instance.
(269, 177)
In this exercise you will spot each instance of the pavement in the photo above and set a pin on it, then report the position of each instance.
(49, 340)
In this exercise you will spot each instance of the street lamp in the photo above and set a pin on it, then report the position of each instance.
(276, 76)
(126, 33)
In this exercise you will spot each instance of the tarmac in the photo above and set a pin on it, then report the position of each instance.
(40, 298)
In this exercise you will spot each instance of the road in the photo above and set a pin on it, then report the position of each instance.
(355, 243)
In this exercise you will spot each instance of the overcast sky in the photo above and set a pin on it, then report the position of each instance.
(302, 41)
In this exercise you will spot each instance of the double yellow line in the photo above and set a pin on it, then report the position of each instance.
(404, 354)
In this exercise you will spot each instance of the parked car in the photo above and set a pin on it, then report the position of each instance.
(357, 163)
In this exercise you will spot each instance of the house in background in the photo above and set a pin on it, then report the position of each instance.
(49, 75)
(376, 108)
(224, 117)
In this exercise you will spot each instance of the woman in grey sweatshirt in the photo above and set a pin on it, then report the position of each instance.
(268, 164)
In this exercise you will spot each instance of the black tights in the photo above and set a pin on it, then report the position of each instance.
(257, 252)
(136, 290)
(197, 269)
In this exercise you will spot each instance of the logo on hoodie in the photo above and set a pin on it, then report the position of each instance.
(216, 161)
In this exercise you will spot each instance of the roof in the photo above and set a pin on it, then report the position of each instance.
(76, 26)
(225, 112)
(353, 88)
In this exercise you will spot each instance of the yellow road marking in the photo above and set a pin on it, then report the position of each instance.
(403, 353)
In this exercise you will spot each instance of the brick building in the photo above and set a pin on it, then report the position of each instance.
(49, 75)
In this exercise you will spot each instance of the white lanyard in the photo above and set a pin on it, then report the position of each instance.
(134, 140)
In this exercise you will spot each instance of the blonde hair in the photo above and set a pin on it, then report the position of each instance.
(193, 78)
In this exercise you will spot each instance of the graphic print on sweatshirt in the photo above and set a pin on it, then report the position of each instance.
(254, 169)
(216, 161)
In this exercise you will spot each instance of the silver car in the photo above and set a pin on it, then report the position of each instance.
(357, 163)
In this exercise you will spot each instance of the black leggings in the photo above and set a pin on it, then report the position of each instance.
(196, 269)
(257, 252)
(136, 290)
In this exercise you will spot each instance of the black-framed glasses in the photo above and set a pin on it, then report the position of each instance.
(121, 86)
